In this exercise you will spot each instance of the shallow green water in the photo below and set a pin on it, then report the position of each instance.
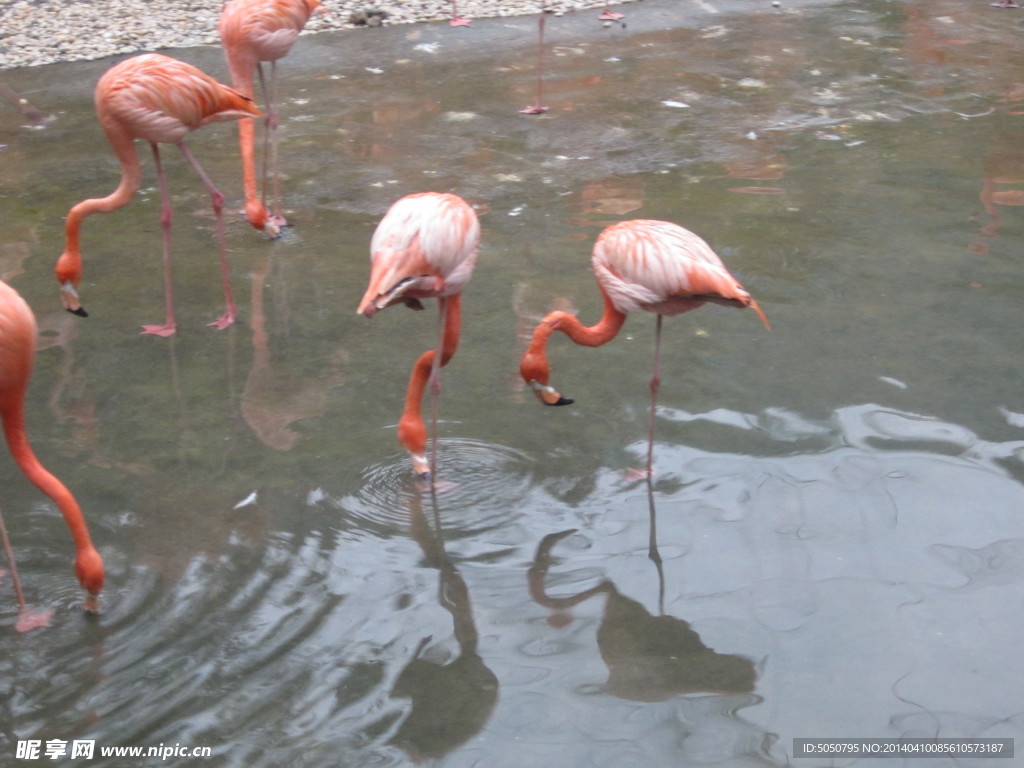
(837, 502)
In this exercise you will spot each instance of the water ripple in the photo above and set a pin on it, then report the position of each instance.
(478, 490)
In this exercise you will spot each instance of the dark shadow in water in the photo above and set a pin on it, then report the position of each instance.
(449, 703)
(649, 658)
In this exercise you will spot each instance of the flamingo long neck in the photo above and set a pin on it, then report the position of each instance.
(70, 265)
(255, 210)
(24, 456)
(412, 431)
(242, 64)
(535, 361)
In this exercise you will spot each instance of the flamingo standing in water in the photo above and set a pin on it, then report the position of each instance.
(640, 264)
(18, 334)
(254, 31)
(425, 247)
(161, 100)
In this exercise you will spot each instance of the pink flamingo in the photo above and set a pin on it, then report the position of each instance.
(640, 264)
(160, 100)
(254, 31)
(18, 334)
(425, 247)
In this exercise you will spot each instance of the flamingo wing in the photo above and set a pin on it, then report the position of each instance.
(661, 267)
(160, 99)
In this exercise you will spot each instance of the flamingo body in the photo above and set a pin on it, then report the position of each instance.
(262, 30)
(640, 264)
(18, 334)
(160, 100)
(660, 267)
(425, 247)
(254, 31)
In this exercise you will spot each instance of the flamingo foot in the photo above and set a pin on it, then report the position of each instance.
(611, 16)
(31, 618)
(638, 474)
(459, 21)
(224, 320)
(536, 109)
(168, 329)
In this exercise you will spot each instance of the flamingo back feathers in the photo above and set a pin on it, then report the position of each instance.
(160, 99)
(425, 246)
(263, 30)
(661, 267)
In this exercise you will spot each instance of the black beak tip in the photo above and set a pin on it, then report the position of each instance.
(80, 312)
(562, 401)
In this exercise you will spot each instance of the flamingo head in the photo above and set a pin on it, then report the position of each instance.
(258, 217)
(89, 569)
(535, 370)
(69, 275)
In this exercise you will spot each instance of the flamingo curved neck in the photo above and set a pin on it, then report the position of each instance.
(131, 180)
(21, 450)
(607, 328)
(412, 431)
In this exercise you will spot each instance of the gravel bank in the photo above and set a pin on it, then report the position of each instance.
(34, 32)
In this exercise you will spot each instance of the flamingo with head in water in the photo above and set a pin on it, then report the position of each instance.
(161, 100)
(18, 334)
(254, 31)
(425, 247)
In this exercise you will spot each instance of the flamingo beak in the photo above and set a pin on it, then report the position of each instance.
(92, 604)
(420, 465)
(70, 301)
(760, 313)
(548, 395)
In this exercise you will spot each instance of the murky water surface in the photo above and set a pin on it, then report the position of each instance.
(833, 544)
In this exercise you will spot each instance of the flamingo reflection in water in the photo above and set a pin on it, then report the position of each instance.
(449, 702)
(649, 658)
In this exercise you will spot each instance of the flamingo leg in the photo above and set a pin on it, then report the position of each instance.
(435, 384)
(655, 385)
(271, 142)
(456, 20)
(15, 579)
(170, 326)
(28, 619)
(217, 199)
(537, 107)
